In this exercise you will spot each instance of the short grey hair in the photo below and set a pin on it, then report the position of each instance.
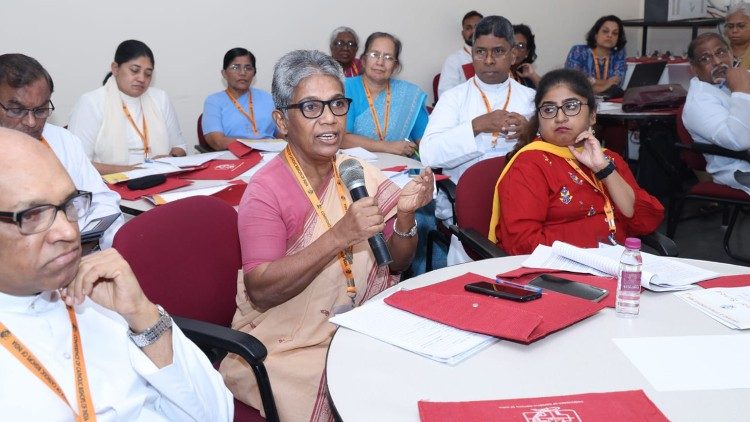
(341, 30)
(742, 7)
(297, 65)
(497, 26)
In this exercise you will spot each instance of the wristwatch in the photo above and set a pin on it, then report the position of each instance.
(153, 333)
(410, 233)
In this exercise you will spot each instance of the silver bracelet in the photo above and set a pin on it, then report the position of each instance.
(411, 233)
(153, 333)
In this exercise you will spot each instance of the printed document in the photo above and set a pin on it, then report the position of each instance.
(728, 305)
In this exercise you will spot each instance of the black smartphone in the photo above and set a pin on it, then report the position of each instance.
(510, 291)
(94, 229)
(569, 287)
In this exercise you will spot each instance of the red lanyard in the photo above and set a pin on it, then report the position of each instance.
(596, 66)
(374, 112)
(488, 106)
(27, 358)
(143, 135)
(345, 257)
(250, 114)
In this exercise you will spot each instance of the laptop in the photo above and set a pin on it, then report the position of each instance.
(646, 74)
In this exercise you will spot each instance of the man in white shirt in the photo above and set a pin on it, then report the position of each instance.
(456, 65)
(479, 119)
(25, 98)
(717, 109)
(65, 320)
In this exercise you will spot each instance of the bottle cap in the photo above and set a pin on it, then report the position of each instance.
(633, 243)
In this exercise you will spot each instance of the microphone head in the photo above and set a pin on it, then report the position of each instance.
(352, 173)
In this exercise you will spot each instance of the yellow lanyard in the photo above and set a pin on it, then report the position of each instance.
(345, 257)
(596, 66)
(598, 187)
(374, 112)
(143, 135)
(488, 106)
(24, 355)
(250, 114)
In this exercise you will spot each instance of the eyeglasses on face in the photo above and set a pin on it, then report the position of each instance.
(40, 218)
(236, 68)
(520, 46)
(481, 53)
(312, 109)
(376, 55)
(720, 53)
(21, 112)
(738, 26)
(344, 44)
(569, 108)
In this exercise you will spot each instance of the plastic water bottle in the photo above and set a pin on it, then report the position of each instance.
(629, 280)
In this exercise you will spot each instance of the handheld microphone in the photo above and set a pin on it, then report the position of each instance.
(353, 176)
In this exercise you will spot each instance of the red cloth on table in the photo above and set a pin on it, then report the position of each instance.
(525, 322)
(741, 280)
(395, 168)
(131, 195)
(524, 276)
(618, 406)
(543, 199)
(224, 169)
(240, 150)
(233, 193)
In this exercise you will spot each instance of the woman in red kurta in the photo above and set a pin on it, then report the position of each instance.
(561, 185)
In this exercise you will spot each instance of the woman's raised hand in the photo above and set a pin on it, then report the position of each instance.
(418, 192)
(591, 155)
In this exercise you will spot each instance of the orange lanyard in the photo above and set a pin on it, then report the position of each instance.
(143, 135)
(345, 257)
(374, 112)
(596, 66)
(487, 105)
(354, 69)
(598, 187)
(250, 114)
(24, 355)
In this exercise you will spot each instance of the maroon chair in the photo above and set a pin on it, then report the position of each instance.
(186, 255)
(692, 155)
(203, 145)
(435, 83)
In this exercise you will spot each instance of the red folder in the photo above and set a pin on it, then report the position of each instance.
(232, 194)
(525, 322)
(524, 275)
(239, 149)
(439, 177)
(224, 169)
(618, 406)
(395, 168)
(131, 195)
(741, 280)
(468, 69)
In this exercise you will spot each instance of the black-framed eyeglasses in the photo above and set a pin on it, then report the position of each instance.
(40, 218)
(312, 109)
(236, 68)
(20, 112)
(344, 44)
(569, 108)
(480, 53)
(721, 53)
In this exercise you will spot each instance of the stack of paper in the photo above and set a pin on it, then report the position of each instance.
(267, 145)
(729, 306)
(658, 273)
(428, 338)
(166, 197)
(191, 160)
(144, 169)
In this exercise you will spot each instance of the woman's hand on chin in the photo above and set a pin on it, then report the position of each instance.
(591, 155)
(417, 193)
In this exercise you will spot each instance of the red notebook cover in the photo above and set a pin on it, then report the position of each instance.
(395, 168)
(131, 195)
(468, 69)
(224, 169)
(232, 194)
(524, 275)
(239, 149)
(741, 280)
(618, 406)
(524, 322)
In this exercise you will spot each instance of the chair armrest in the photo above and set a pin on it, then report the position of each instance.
(449, 188)
(663, 245)
(202, 149)
(242, 344)
(711, 149)
(478, 243)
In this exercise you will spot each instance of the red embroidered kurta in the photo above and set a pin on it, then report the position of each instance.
(543, 199)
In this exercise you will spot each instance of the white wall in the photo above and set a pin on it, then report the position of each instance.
(76, 39)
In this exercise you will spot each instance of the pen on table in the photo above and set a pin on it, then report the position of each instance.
(520, 286)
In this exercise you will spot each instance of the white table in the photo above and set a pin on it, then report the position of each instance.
(138, 206)
(370, 380)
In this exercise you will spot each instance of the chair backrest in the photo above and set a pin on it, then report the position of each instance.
(186, 255)
(435, 83)
(693, 160)
(475, 191)
(202, 139)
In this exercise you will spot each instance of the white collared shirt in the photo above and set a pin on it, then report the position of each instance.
(452, 73)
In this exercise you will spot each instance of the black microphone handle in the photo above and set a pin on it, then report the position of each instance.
(377, 242)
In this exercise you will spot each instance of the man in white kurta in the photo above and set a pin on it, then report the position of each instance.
(717, 109)
(462, 131)
(25, 84)
(42, 274)
(453, 73)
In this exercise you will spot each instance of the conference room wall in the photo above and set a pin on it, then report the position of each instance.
(75, 39)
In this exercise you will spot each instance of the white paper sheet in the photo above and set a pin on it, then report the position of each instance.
(691, 362)
(167, 197)
(359, 152)
(428, 338)
(191, 160)
(728, 305)
(400, 178)
(269, 145)
(146, 169)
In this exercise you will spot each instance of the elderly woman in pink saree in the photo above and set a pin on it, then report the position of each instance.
(304, 241)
